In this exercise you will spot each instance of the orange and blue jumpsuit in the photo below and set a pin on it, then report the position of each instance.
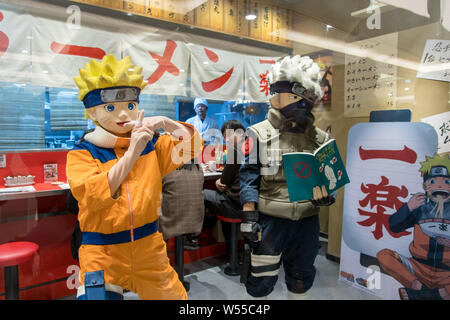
(430, 260)
(121, 247)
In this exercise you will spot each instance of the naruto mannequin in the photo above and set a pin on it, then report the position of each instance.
(115, 174)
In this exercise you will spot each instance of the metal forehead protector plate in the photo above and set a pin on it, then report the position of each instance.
(119, 94)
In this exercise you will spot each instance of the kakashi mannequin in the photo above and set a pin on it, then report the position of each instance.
(115, 173)
(279, 231)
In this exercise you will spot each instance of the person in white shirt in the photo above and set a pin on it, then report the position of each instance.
(207, 126)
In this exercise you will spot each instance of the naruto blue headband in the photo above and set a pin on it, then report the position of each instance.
(437, 171)
(293, 87)
(113, 94)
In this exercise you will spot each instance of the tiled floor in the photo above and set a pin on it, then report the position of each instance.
(208, 281)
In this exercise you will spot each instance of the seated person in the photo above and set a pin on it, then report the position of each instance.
(226, 200)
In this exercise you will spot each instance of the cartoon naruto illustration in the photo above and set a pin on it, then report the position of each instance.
(426, 275)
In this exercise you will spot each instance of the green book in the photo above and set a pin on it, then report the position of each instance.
(304, 171)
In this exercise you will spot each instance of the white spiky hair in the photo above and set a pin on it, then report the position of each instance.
(298, 69)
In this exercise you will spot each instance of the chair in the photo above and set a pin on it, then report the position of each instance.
(233, 267)
(11, 255)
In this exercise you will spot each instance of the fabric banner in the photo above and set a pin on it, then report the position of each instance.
(216, 74)
(419, 7)
(383, 163)
(59, 50)
(256, 70)
(164, 64)
(15, 47)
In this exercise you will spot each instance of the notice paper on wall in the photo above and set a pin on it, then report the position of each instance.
(441, 123)
(435, 63)
(370, 75)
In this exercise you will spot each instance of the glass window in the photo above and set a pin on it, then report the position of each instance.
(379, 61)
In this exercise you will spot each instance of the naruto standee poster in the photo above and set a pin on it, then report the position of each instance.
(396, 237)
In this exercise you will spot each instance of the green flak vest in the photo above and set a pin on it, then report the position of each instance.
(273, 192)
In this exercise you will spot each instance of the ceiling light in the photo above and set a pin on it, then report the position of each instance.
(250, 17)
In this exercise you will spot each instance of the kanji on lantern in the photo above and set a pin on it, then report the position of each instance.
(406, 154)
(381, 196)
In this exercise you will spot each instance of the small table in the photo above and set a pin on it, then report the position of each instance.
(41, 190)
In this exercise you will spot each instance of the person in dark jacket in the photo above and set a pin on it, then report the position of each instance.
(226, 201)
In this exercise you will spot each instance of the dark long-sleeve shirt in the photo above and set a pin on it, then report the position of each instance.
(230, 177)
(250, 177)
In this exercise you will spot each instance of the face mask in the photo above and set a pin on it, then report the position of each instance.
(299, 113)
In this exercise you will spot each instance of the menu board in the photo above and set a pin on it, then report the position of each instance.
(370, 75)
(271, 24)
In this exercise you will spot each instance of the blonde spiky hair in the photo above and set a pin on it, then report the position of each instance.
(434, 161)
(108, 73)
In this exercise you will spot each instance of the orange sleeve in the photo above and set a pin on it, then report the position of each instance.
(88, 184)
(173, 153)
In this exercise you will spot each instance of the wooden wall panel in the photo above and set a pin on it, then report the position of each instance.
(266, 21)
(172, 11)
(202, 15)
(230, 16)
(256, 25)
(112, 4)
(242, 23)
(134, 6)
(153, 8)
(277, 24)
(217, 14)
